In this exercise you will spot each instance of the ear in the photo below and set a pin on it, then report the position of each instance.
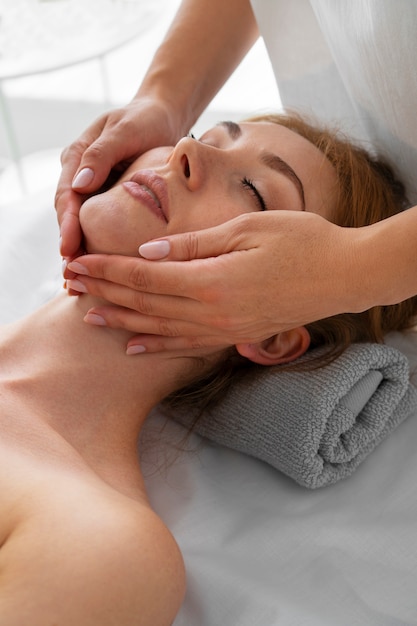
(281, 348)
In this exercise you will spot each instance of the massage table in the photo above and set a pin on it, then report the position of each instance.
(259, 549)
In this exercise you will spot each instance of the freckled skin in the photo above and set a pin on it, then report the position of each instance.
(204, 183)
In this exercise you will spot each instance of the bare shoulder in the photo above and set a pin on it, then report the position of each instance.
(148, 558)
(87, 558)
(143, 556)
(138, 550)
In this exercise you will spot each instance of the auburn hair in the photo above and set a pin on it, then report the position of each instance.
(368, 191)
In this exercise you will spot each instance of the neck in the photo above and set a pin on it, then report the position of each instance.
(79, 381)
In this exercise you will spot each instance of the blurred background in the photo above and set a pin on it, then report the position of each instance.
(64, 62)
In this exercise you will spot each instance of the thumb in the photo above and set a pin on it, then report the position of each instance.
(99, 151)
(94, 169)
(211, 242)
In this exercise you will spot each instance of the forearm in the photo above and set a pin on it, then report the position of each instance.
(205, 43)
(385, 261)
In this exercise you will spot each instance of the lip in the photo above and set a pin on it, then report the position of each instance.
(151, 190)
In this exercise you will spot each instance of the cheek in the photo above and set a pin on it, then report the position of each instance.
(154, 158)
(204, 210)
(107, 226)
(322, 191)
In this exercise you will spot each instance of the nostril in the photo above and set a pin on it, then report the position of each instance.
(185, 166)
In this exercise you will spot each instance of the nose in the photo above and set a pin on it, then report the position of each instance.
(194, 161)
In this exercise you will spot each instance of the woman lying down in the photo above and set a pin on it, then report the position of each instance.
(80, 543)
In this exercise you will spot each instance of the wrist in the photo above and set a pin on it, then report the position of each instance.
(186, 75)
(383, 265)
(157, 89)
(342, 271)
(362, 286)
(351, 286)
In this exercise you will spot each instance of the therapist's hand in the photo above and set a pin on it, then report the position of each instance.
(239, 282)
(111, 143)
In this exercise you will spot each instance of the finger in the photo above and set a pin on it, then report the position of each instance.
(87, 175)
(86, 164)
(174, 307)
(167, 316)
(67, 274)
(211, 242)
(108, 151)
(141, 275)
(67, 205)
(95, 167)
(153, 344)
(70, 232)
(119, 317)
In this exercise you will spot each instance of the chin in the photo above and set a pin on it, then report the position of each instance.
(91, 227)
(97, 243)
(100, 223)
(113, 224)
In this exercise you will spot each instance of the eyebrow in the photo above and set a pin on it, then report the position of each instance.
(273, 161)
(232, 128)
(277, 164)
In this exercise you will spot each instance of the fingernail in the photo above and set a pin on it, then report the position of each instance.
(77, 268)
(154, 250)
(76, 285)
(64, 265)
(135, 350)
(83, 178)
(93, 318)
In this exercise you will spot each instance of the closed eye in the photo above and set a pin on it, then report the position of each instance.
(248, 184)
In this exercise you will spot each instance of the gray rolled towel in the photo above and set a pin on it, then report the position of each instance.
(316, 426)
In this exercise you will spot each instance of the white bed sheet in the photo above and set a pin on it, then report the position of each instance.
(259, 550)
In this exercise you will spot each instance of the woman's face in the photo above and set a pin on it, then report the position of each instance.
(232, 169)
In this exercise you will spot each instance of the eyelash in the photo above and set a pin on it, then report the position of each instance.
(248, 184)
